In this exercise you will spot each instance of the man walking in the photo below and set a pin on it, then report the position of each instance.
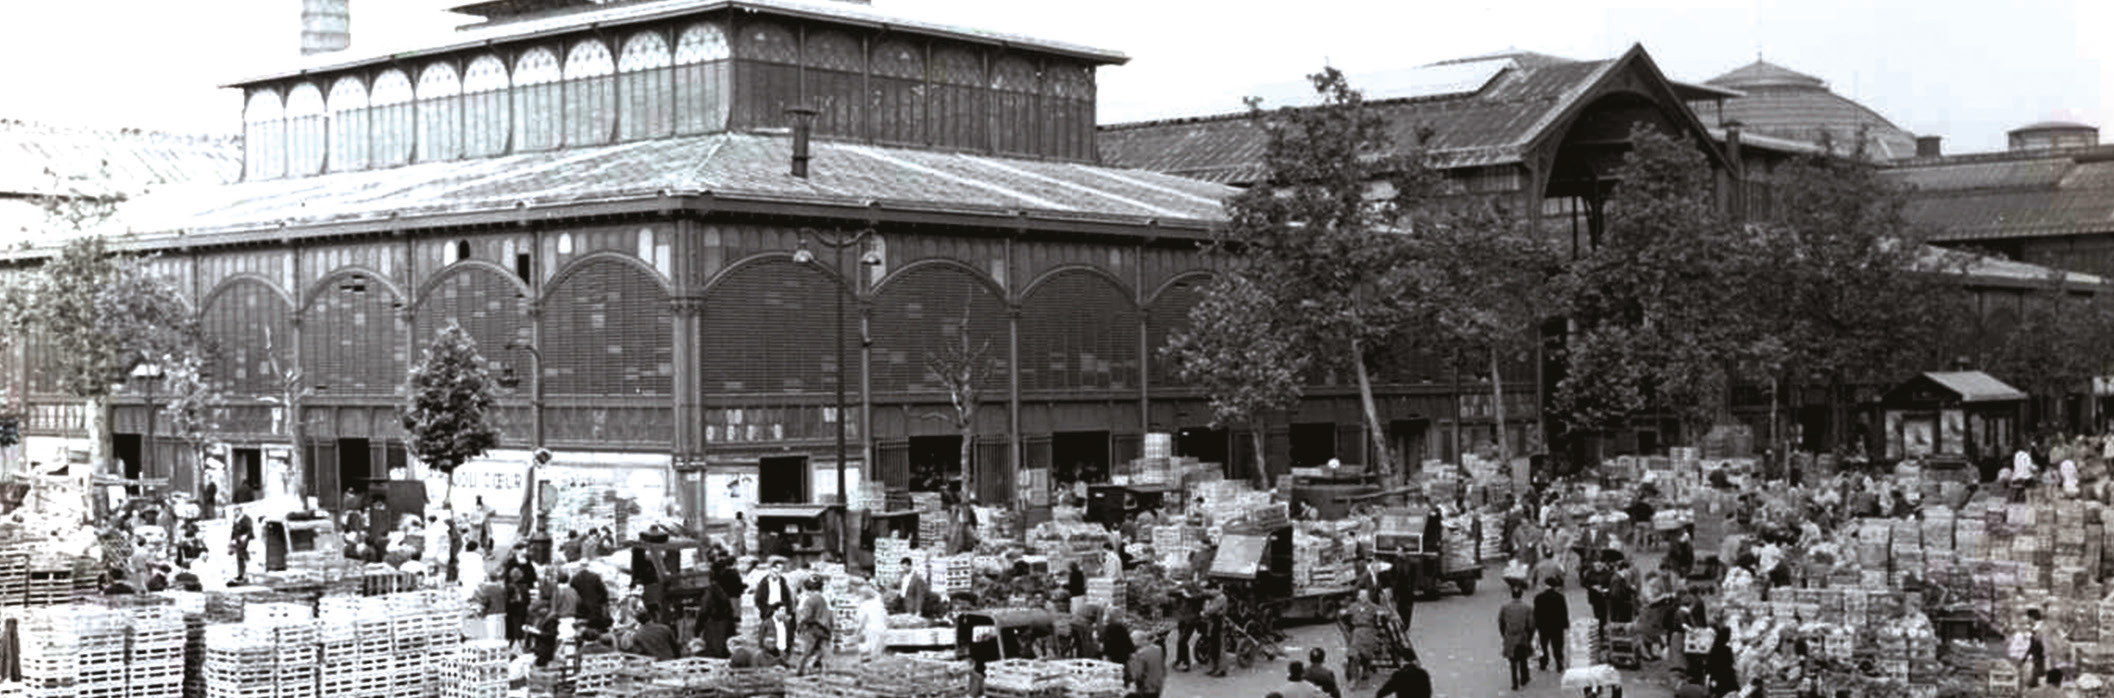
(1552, 618)
(1515, 625)
(1148, 667)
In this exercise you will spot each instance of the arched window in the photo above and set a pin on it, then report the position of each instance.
(264, 136)
(1015, 87)
(769, 76)
(349, 145)
(958, 114)
(1068, 110)
(485, 118)
(439, 113)
(393, 128)
(304, 130)
(836, 67)
(648, 97)
(898, 85)
(701, 69)
(536, 100)
(590, 95)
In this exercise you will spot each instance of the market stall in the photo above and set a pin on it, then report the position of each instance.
(1966, 415)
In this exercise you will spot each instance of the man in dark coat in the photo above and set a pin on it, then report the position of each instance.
(594, 599)
(1410, 681)
(1319, 674)
(773, 591)
(654, 639)
(1552, 618)
(1515, 627)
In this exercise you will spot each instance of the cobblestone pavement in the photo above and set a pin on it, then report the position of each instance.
(1456, 637)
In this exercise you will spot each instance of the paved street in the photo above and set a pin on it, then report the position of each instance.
(1456, 637)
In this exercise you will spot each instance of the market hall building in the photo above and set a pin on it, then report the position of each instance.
(605, 198)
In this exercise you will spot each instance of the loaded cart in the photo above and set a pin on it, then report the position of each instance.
(1421, 544)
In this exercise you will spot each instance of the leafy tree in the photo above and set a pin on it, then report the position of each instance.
(1661, 307)
(1239, 350)
(1487, 280)
(448, 405)
(1320, 238)
(101, 313)
(1852, 293)
(2060, 343)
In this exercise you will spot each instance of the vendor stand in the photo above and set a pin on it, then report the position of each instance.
(1966, 415)
(1111, 505)
(800, 533)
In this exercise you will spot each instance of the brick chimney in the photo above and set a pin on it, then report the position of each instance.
(1927, 146)
(326, 26)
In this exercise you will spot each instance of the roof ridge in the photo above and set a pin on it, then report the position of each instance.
(39, 127)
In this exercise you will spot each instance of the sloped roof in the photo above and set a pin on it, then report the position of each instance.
(1975, 386)
(723, 164)
(1788, 104)
(620, 14)
(1492, 126)
(38, 160)
(1975, 198)
(1986, 268)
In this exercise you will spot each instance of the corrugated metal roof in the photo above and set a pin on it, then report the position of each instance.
(631, 13)
(728, 164)
(1976, 386)
(1490, 127)
(1788, 104)
(37, 159)
(1986, 199)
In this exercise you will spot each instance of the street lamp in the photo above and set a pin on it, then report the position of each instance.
(536, 388)
(149, 373)
(837, 242)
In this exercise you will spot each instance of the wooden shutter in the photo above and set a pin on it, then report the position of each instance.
(1240, 454)
(892, 463)
(321, 461)
(1126, 448)
(994, 471)
(1350, 444)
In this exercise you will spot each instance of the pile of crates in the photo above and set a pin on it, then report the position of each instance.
(478, 669)
(74, 651)
(240, 662)
(155, 658)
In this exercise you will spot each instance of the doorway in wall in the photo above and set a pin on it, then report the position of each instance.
(934, 462)
(355, 464)
(1313, 444)
(247, 466)
(782, 480)
(1207, 445)
(1080, 456)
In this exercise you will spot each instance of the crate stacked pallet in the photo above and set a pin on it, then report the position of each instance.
(1492, 544)
(154, 662)
(73, 651)
(756, 682)
(477, 669)
(338, 657)
(1107, 592)
(15, 554)
(194, 685)
(241, 662)
(50, 581)
(949, 575)
(1023, 678)
(1091, 678)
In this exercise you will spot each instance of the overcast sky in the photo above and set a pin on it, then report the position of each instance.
(1968, 71)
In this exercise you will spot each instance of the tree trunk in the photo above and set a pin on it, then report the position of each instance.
(968, 432)
(1372, 412)
(1497, 397)
(102, 446)
(297, 459)
(1838, 416)
(1262, 468)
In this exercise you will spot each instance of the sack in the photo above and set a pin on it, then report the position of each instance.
(1516, 569)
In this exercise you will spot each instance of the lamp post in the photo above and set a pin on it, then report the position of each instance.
(837, 243)
(150, 374)
(539, 541)
(535, 388)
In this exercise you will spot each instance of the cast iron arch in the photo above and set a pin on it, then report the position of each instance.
(988, 283)
(233, 280)
(1202, 276)
(425, 290)
(315, 290)
(573, 267)
(765, 258)
(1129, 294)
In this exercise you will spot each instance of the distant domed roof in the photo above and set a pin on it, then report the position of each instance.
(1785, 103)
(1766, 74)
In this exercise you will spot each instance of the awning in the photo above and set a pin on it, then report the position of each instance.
(804, 511)
(1976, 386)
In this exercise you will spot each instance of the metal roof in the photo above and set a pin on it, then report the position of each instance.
(1975, 386)
(617, 15)
(731, 165)
(1787, 104)
(38, 160)
(1981, 198)
(1492, 126)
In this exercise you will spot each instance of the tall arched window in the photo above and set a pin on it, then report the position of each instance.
(958, 114)
(304, 130)
(348, 125)
(769, 75)
(836, 67)
(264, 135)
(393, 129)
(701, 74)
(590, 94)
(649, 102)
(1015, 85)
(536, 116)
(898, 85)
(485, 118)
(439, 113)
